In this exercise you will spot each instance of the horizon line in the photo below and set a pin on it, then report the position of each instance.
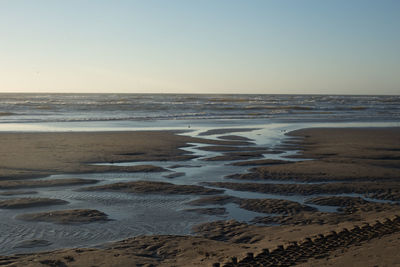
(119, 93)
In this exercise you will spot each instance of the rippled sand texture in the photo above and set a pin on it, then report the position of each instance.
(244, 196)
(120, 174)
(29, 158)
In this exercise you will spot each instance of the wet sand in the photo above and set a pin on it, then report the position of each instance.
(226, 131)
(33, 155)
(369, 158)
(21, 203)
(256, 163)
(378, 190)
(17, 192)
(368, 154)
(17, 184)
(147, 187)
(65, 216)
(276, 206)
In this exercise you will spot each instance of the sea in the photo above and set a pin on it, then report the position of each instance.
(48, 112)
(262, 118)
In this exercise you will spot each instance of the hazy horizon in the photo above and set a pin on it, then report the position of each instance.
(130, 93)
(200, 94)
(186, 47)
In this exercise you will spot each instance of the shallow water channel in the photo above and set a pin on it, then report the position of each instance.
(144, 214)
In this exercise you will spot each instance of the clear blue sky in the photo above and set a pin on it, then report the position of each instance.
(202, 46)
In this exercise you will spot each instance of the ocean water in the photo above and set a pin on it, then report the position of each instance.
(263, 118)
(40, 108)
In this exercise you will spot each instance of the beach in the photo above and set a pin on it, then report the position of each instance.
(352, 170)
(199, 133)
(30, 155)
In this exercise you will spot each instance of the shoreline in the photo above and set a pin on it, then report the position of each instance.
(219, 241)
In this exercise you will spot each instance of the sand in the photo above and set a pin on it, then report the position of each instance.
(341, 155)
(235, 137)
(21, 203)
(379, 190)
(33, 155)
(148, 187)
(208, 211)
(65, 216)
(278, 206)
(226, 130)
(378, 252)
(369, 158)
(232, 148)
(338, 201)
(12, 184)
(174, 175)
(274, 206)
(236, 156)
(263, 162)
(17, 192)
(6, 114)
(213, 200)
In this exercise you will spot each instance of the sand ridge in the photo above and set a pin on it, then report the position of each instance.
(66, 216)
(151, 187)
(20, 203)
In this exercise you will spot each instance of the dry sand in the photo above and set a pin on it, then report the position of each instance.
(382, 252)
(369, 156)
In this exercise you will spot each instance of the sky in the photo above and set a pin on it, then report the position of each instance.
(200, 46)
